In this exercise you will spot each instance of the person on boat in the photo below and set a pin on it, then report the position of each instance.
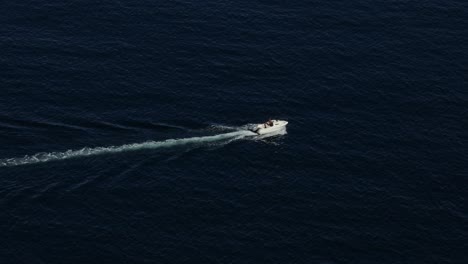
(268, 123)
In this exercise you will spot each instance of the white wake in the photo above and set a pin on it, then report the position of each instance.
(198, 141)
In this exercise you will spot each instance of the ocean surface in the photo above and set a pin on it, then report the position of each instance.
(124, 131)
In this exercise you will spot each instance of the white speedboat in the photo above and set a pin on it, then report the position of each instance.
(269, 126)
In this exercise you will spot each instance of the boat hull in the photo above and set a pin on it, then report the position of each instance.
(277, 125)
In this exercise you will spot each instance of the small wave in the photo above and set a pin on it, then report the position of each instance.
(223, 128)
(220, 127)
(153, 126)
(51, 156)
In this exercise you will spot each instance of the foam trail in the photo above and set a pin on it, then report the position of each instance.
(44, 157)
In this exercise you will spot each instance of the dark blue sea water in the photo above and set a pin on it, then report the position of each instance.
(123, 131)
